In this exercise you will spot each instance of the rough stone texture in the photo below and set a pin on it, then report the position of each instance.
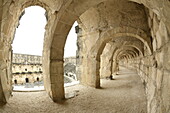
(100, 22)
(126, 94)
(97, 31)
(26, 66)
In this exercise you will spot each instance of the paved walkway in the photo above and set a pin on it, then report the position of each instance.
(125, 94)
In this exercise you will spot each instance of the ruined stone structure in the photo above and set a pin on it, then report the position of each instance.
(26, 69)
(133, 33)
(71, 60)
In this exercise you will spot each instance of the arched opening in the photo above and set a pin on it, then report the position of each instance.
(70, 54)
(67, 12)
(26, 80)
(38, 79)
(28, 46)
(15, 81)
(95, 34)
(109, 64)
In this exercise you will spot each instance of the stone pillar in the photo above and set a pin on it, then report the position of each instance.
(57, 79)
(111, 66)
(5, 73)
(114, 67)
(105, 66)
(53, 77)
(2, 76)
(79, 57)
(78, 66)
(90, 75)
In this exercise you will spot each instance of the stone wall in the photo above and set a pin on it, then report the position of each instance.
(26, 59)
(100, 22)
(30, 67)
(152, 66)
(71, 60)
(26, 67)
(21, 72)
(154, 69)
(98, 29)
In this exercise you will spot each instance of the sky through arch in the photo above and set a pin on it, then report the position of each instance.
(29, 35)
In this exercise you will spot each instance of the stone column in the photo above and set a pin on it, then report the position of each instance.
(90, 75)
(78, 67)
(57, 79)
(5, 73)
(79, 57)
(105, 66)
(53, 77)
(114, 67)
(111, 67)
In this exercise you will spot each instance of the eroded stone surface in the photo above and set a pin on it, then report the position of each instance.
(138, 30)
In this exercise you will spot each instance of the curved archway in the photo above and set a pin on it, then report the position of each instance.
(111, 35)
(8, 29)
(118, 33)
(6, 35)
(107, 60)
(26, 80)
(15, 81)
(124, 50)
(54, 50)
(67, 11)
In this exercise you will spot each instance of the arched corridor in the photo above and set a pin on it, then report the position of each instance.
(125, 94)
(132, 33)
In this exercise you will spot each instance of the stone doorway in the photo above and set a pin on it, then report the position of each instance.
(27, 80)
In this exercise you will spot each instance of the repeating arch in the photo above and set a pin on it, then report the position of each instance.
(117, 33)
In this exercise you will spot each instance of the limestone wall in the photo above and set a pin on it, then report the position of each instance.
(71, 60)
(101, 22)
(26, 59)
(32, 78)
(154, 70)
(19, 68)
(153, 67)
(20, 72)
(30, 66)
(106, 61)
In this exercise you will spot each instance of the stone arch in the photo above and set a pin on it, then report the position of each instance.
(8, 27)
(61, 23)
(15, 81)
(15, 15)
(118, 33)
(112, 35)
(135, 45)
(140, 52)
(127, 52)
(106, 69)
(124, 49)
(54, 50)
(26, 80)
(131, 44)
(117, 52)
(38, 79)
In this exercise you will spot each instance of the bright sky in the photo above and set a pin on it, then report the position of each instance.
(29, 35)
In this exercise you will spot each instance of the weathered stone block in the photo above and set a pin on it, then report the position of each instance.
(56, 67)
(166, 57)
(159, 58)
(165, 92)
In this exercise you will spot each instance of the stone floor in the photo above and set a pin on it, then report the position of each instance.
(125, 94)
